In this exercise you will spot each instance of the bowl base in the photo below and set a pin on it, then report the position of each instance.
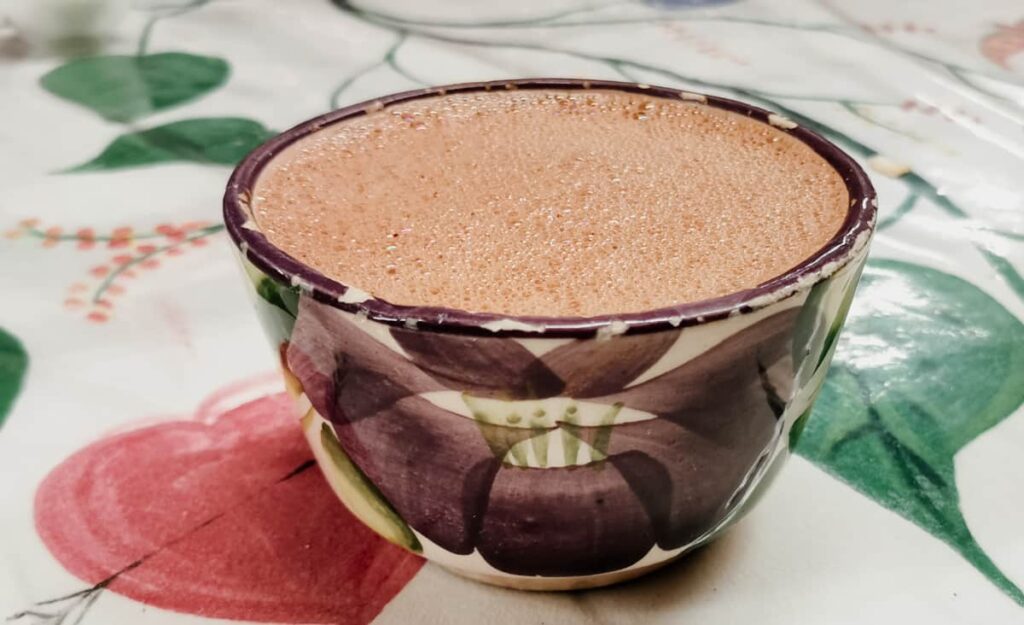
(545, 584)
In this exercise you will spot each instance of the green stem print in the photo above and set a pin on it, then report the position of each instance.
(902, 209)
(387, 61)
(860, 111)
(844, 27)
(890, 431)
(13, 363)
(161, 14)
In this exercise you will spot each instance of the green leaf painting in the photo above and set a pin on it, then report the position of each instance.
(363, 498)
(277, 307)
(212, 140)
(13, 363)
(276, 304)
(126, 88)
(927, 363)
(287, 299)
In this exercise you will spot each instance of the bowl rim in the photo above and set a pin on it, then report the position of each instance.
(844, 246)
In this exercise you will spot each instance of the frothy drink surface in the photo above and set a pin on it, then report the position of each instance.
(550, 202)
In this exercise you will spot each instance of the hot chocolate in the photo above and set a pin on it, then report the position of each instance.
(550, 202)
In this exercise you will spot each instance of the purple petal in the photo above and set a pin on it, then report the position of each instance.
(748, 374)
(563, 521)
(435, 467)
(346, 373)
(685, 480)
(591, 367)
(484, 366)
(719, 412)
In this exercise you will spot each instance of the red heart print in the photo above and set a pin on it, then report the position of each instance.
(225, 516)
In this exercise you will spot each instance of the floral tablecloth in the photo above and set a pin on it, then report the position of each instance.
(151, 470)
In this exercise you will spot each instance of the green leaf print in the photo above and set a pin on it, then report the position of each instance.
(927, 363)
(287, 299)
(126, 88)
(211, 140)
(13, 363)
(276, 304)
(362, 498)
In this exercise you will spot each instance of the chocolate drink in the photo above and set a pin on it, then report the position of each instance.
(549, 202)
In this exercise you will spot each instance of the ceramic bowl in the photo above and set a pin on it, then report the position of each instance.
(552, 452)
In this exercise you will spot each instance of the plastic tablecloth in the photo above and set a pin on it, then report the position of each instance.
(145, 433)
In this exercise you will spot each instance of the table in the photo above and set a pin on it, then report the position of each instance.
(144, 426)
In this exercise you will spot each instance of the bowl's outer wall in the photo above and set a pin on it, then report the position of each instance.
(553, 463)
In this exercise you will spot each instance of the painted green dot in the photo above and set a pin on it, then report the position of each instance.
(514, 418)
(571, 410)
(539, 413)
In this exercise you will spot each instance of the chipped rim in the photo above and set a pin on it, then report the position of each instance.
(851, 238)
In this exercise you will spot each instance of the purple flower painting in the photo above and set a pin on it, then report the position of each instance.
(576, 461)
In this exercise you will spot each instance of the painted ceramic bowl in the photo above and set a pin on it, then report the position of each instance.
(552, 453)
